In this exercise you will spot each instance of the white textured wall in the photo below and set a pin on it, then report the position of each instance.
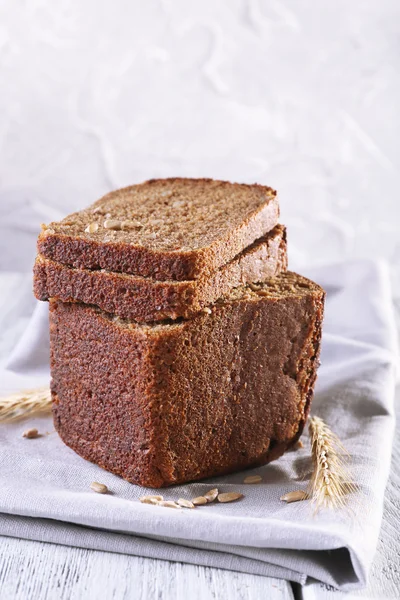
(301, 94)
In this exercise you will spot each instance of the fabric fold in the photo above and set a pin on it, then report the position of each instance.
(44, 486)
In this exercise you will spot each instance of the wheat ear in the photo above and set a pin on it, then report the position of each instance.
(24, 404)
(330, 481)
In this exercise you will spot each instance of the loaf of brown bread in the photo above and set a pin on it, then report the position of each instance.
(145, 299)
(166, 229)
(160, 404)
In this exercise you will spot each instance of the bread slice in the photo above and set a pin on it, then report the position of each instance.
(168, 403)
(164, 228)
(146, 299)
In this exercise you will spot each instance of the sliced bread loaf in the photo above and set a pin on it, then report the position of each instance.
(169, 403)
(164, 228)
(145, 299)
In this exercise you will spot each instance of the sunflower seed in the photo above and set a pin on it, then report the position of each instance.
(185, 503)
(131, 225)
(229, 497)
(199, 501)
(48, 231)
(92, 228)
(111, 224)
(253, 479)
(211, 495)
(30, 434)
(168, 504)
(151, 499)
(99, 488)
(295, 496)
(178, 204)
(255, 288)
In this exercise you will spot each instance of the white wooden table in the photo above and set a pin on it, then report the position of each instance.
(49, 572)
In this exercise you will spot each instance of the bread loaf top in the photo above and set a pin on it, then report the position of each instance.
(285, 287)
(164, 228)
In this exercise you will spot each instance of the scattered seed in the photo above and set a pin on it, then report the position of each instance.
(151, 499)
(111, 224)
(185, 503)
(48, 231)
(92, 228)
(211, 495)
(253, 479)
(295, 496)
(30, 434)
(229, 497)
(262, 293)
(99, 488)
(207, 310)
(199, 501)
(168, 504)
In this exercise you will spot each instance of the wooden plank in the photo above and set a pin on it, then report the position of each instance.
(49, 572)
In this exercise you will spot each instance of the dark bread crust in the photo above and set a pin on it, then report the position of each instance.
(145, 299)
(125, 253)
(171, 403)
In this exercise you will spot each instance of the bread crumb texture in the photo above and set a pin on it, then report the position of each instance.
(161, 404)
(146, 299)
(165, 228)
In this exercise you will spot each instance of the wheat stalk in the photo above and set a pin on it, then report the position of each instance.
(330, 481)
(24, 404)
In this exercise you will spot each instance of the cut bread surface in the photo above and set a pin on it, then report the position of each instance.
(146, 299)
(165, 228)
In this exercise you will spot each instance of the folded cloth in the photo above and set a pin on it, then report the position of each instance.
(44, 486)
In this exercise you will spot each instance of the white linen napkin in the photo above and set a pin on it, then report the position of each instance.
(44, 486)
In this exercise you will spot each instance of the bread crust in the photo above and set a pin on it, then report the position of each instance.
(125, 253)
(170, 403)
(146, 299)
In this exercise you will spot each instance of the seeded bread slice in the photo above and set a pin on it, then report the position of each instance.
(164, 228)
(175, 402)
(146, 299)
